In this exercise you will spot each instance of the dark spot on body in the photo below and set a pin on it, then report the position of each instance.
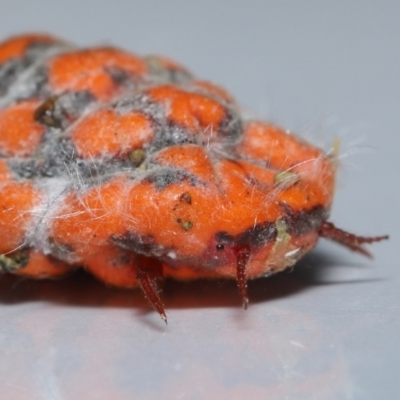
(46, 113)
(165, 177)
(185, 224)
(60, 111)
(136, 157)
(186, 197)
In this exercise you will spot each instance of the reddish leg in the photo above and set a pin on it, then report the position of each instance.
(353, 242)
(242, 253)
(148, 275)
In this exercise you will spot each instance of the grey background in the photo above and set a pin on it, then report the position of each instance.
(328, 330)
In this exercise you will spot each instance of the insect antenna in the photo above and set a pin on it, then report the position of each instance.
(329, 231)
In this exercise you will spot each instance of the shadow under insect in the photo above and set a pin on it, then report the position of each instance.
(79, 289)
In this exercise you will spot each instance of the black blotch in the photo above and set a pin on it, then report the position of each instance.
(166, 133)
(9, 72)
(36, 85)
(74, 103)
(231, 127)
(61, 251)
(13, 68)
(118, 75)
(169, 176)
(57, 158)
(137, 101)
(224, 238)
(298, 223)
(171, 134)
(133, 242)
(301, 222)
(257, 235)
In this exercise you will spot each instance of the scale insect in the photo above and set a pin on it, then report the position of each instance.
(135, 170)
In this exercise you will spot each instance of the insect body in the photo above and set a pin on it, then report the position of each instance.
(137, 171)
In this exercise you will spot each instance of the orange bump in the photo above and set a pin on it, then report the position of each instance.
(87, 221)
(285, 152)
(244, 204)
(193, 159)
(191, 110)
(41, 266)
(269, 143)
(87, 70)
(114, 266)
(181, 216)
(20, 134)
(106, 132)
(17, 200)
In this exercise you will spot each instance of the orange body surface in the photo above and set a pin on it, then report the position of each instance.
(131, 168)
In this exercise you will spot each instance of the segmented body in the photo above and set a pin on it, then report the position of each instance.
(136, 170)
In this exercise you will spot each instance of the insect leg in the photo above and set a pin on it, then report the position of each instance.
(148, 274)
(351, 241)
(242, 253)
